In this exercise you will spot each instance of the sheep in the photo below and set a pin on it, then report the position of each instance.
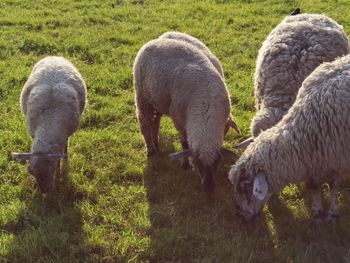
(52, 99)
(213, 59)
(289, 54)
(309, 144)
(175, 78)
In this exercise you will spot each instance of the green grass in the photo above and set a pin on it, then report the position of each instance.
(112, 205)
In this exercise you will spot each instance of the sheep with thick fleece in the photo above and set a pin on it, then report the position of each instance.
(290, 53)
(310, 144)
(213, 59)
(175, 78)
(52, 99)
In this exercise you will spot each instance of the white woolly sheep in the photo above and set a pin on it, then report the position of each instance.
(53, 99)
(175, 78)
(290, 53)
(310, 144)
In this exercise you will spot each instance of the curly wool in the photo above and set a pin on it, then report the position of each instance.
(290, 53)
(53, 98)
(311, 142)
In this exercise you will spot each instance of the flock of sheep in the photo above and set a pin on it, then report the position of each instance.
(300, 133)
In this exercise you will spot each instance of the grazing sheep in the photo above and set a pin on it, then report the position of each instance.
(290, 53)
(175, 78)
(53, 98)
(310, 144)
(213, 59)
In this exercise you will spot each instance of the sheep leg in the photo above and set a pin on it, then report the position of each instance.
(333, 213)
(155, 128)
(316, 205)
(58, 167)
(184, 163)
(65, 150)
(147, 125)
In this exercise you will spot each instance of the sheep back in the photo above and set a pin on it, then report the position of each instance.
(197, 43)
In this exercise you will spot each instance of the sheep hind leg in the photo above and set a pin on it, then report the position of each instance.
(146, 119)
(333, 213)
(316, 205)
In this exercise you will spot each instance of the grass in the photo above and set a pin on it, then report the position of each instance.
(110, 203)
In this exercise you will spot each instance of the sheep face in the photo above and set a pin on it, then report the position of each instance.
(206, 171)
(43, 169)
(250, 192)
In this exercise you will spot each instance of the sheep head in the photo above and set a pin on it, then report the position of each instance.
(251, 191)
(206, 171)
(42, 167)
(43, 170)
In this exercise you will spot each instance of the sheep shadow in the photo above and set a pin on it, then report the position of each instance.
(48, 228)
(189, 225)
(298, 236)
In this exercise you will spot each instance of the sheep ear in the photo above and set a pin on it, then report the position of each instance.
(181, 155)
(231, 123)
(20, 156)
(245, 143)
(260, 187)
(225, 153)
(297, 11)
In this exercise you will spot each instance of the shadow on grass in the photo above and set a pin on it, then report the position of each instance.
(48, 228)
(297, 236)
(188, 225)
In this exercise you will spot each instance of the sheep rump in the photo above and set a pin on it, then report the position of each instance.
(197, 43)
(213, 59)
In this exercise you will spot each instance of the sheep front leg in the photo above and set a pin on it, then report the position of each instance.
(148, 125)
(316, 205)
(155, 128)
(333, 213)
(65, 150)
(58, 167)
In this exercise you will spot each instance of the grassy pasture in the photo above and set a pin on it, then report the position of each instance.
(112, 205)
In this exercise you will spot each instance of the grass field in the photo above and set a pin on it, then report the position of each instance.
(112, 205)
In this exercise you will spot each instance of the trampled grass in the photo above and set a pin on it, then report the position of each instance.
(110, 203)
